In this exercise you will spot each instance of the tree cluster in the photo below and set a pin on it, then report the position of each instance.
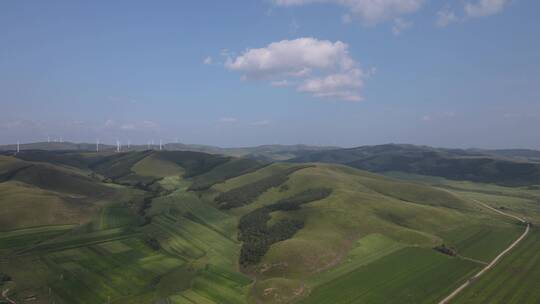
(4, 278)
(445, 250)
(152, 243)
(246, 194)
(257, 236)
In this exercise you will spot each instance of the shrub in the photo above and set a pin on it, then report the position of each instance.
(152, 243)
(445, 250)
(4, 278)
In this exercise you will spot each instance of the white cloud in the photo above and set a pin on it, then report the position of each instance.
(291, 58)
(484, 7)
(369, 12)
(208, 60)
(344, 86)
(294, 27)
(346, 18)
(280, 83)
(128, 127)
(318, 65)
(445, 16)
(109, 124)
(20, 124)
(261, 123)
(400, 25)
(144, 125)
(228, 120)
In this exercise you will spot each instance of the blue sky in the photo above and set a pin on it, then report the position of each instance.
(455, 73)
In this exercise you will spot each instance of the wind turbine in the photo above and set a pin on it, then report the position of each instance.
(129, 143)
(97, 145)
(160, 145)
(117, 145)
(18, 148)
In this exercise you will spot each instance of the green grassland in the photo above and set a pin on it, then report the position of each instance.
(151, 227)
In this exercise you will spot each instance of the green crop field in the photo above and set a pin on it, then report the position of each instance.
(483, 242)
(410, 275)
(515, 280)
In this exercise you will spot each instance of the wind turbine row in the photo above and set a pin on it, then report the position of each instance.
(149, 145)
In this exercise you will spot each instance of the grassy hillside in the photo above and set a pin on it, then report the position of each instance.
(449, 163)
(188, 227)
(38, 193)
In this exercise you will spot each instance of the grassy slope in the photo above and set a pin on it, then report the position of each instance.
(365, 218)
(155, 167)
(22, 205)
(108, 256)
(36, 193)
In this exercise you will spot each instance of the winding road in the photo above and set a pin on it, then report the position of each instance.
(495, 260)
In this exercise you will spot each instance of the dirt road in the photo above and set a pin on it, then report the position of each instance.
(5, 296)
(495, 260)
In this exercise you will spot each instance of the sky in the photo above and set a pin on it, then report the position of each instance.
(451, 73)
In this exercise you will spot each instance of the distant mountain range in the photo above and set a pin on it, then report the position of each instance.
(510, 167)
(505, 166)
(264, 152)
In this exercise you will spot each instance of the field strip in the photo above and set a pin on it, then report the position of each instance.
(472, 260)
(495, 260)
(50, 247)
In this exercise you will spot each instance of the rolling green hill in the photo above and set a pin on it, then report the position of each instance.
(449, 163)
(191, 227)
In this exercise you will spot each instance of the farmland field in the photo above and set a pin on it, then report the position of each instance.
(483, 242)
(410, 275)
(514, 280)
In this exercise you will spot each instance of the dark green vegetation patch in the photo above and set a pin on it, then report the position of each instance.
(246, 194)
(233, 168)
(257, 236)
(194, 163)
